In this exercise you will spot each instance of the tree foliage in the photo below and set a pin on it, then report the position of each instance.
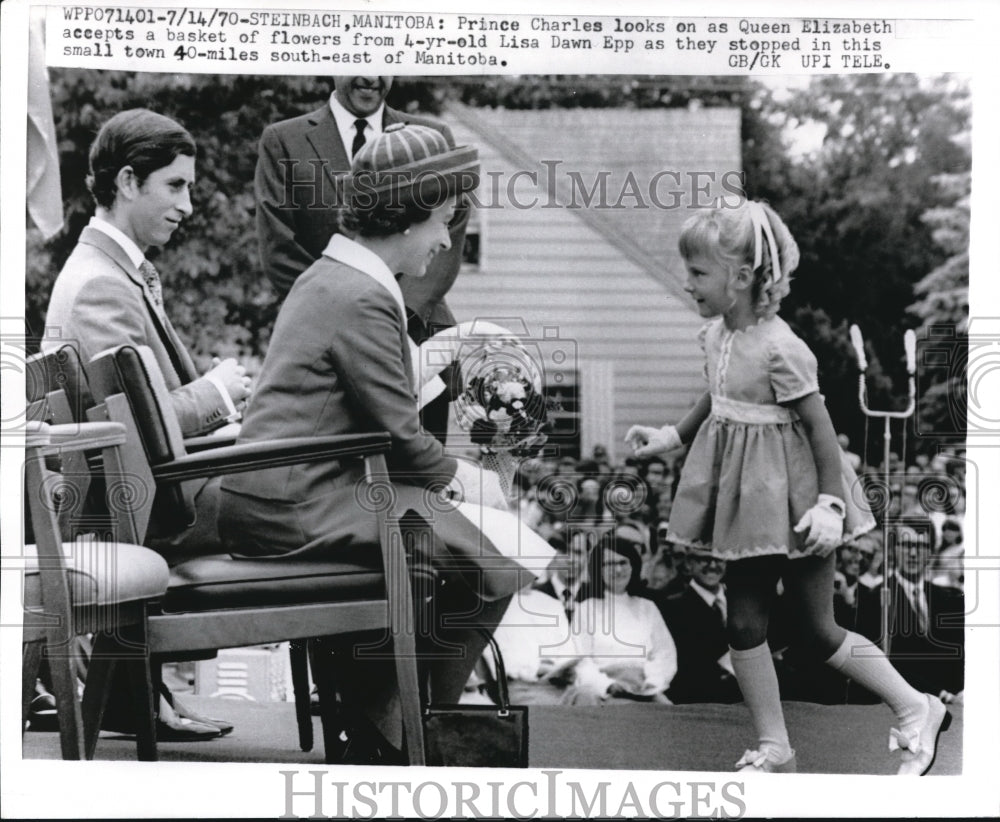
(880, 209)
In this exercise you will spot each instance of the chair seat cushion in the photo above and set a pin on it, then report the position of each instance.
(101, 573)
(221, 581)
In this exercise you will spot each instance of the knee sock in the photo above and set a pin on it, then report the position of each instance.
(758, 681)
(861, 660)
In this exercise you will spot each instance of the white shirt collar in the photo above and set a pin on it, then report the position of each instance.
(128, 246)
(355, 255)
(911, 587)
(708, 596)
(345, 123)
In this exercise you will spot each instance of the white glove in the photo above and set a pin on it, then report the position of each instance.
(646, 441)
(472, 483)
(825, 524)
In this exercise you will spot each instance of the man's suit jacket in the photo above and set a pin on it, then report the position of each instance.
(100, 300)
(700, 636)
(930, 661)
(300, 165)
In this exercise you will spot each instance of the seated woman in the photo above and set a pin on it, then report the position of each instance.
(339, 362)
(627, 651)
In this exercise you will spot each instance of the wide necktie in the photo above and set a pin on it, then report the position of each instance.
(359, 138)
(152, 278)
(567, 598)
(720, 610)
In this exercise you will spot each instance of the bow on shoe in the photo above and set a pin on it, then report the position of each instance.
(909, 741)
(755, 758)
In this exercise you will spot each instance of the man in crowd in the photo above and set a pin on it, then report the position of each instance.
(696, 618)
(926, 621)
(301, 165)
(108, 294)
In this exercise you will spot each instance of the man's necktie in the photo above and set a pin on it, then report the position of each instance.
(720, 610)
(567, 598)
(359, 138)
(152, 278)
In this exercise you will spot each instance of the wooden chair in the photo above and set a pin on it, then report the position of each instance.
(75, 588)
(58, 392)
(217, 601)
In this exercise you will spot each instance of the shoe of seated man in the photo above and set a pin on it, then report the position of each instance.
(42, 715)
(187, 712)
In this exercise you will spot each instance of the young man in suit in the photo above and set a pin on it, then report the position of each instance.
(109, 294)
(301, 166)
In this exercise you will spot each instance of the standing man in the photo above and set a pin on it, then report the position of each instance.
(108, 294)
(298, 186)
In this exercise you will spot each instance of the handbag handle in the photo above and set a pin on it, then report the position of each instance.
(501, 671)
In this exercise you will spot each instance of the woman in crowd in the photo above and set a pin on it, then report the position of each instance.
(626, 650)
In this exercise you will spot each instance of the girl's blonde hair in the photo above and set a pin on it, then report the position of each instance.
(729, 236)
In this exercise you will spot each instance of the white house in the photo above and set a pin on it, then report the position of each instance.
(575, 243)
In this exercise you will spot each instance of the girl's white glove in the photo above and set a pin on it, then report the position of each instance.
(645, 441)
(825, 524)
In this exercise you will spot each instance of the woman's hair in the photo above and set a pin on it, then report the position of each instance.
(139, 138)
(623, 547)
(728, 236)
(382, 220)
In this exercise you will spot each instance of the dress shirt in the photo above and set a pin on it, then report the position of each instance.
(345, 123)
(710, 598)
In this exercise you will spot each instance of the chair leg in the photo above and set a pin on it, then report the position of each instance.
(334, 736)
(135, 655)
(63, 672)
(410, 698)
(30, 665)
(100, 674)
(299, 661)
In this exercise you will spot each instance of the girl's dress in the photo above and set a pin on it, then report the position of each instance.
(750, 474)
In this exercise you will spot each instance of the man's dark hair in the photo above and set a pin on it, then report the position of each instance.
(139, 138)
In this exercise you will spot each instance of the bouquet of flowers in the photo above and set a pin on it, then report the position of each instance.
(502, 406)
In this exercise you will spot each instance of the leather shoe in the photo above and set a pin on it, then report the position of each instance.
(184, 730)
(185, 712)
(919, 746)
(42, 715)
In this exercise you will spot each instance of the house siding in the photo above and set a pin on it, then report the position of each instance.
(550, 268)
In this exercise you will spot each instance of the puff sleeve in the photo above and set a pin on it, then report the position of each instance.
(791, 369)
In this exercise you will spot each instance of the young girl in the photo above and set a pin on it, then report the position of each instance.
(765, 486)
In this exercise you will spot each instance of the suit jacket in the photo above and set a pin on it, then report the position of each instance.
(300, 164)
(931, 660)
(338, 363)
(100, 300)
(700, 636)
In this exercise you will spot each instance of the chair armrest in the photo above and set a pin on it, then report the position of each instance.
(193, 445)
(84, 436)
(254, 456)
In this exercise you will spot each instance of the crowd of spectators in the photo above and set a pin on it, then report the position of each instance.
(625, 614)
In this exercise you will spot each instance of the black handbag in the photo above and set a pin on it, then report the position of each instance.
(479, 736)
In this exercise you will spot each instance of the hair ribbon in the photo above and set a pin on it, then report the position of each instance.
(762, 225)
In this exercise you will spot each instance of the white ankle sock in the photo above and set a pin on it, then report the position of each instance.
(758, 681)
(863, 661)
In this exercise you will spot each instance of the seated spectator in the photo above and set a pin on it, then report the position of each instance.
(870, 554)
(845, 578)
(926, 621)
(696, 618)
(566, 579)
(948, 569)
(625, 647)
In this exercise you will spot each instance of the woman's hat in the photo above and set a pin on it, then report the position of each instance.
(410, 164)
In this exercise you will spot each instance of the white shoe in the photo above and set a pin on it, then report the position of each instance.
(758, 762)
(919, 745)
